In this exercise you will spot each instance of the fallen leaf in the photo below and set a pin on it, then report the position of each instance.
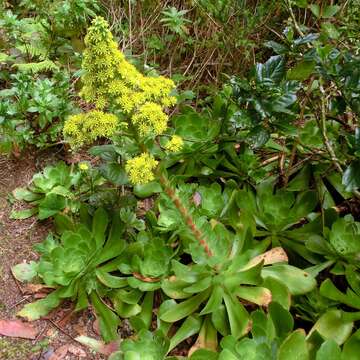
(47, 354)
(18, 328)
(80, 328)
(99, 346)
(76, 351)
(66, 319)
(24, 271)
(59, 353)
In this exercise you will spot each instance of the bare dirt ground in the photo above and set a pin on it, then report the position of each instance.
(17, 238)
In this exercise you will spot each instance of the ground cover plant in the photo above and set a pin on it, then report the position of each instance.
(225, 227)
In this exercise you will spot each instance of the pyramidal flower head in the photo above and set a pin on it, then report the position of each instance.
(140, 169)
(110, 78)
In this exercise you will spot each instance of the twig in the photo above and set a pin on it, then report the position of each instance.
(25, 298)
(270, 160)
(60, 329)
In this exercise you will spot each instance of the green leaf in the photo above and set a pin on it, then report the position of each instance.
(301, 71)
(214, 301)
(345, 236)
(351, 349)
(329, 290)
(332, 325)
(51, 205)
(331, 30)
(274, 68)
(298, 281)
(111, 281)
(40, 308)
(220, 320)
(258, 136)
(25, 272)
(100, 223)
(188, 328)
(281, 318)
(126, 310)
(147, 346)
(330, 10)
(147, 190)
(351, 176)
(315, 9)
(143, 320)
(115, 173)
(108, 321)
(239, 319)
(184, 308)
(204, 354)
(24, 194)
(279, 292)
(329, 350)
(294, 347)
(23, 214)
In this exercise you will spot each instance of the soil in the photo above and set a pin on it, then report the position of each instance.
(17, 238)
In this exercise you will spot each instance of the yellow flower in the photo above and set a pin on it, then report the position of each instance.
(140, 169)
(83, 166)
(150, 119)
(83, 129)
(110, 78)
(174, 144)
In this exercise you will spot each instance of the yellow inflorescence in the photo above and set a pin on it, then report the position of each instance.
(174, 144)
(110, 77)
(150, 119)
(140, 169)
(85, 128)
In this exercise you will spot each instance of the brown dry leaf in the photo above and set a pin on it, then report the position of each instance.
(272, 256)
(80, 328)
(40, 295)
(145, 278)
(18, 328)
(62, 351)
(76, 351)
(35, 288)
(66, 319)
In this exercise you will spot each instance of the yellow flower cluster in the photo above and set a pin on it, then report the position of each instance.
(140, 169)
(150, 119)
(174, 144)
(110, 77)
(85, 128)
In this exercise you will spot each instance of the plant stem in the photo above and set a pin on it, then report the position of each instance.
(199, 236)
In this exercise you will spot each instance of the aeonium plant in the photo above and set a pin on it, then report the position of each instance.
(129, 107)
